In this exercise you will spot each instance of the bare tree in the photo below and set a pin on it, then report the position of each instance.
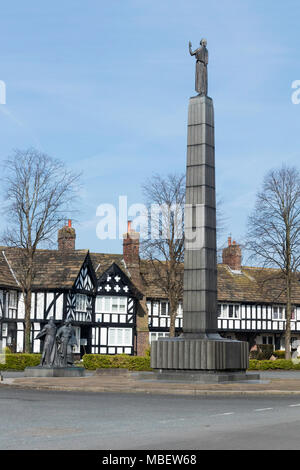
(165, 246)
(165, 200)
(274, 232)
(39, 190)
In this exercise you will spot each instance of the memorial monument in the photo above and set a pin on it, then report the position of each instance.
(57, 354)
(200, 352)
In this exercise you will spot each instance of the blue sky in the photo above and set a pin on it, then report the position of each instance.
(104, 86)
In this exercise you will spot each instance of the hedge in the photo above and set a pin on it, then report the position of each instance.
(19, 361)
(121, 361)
(279, 354)
(263, 352)
(277, 364)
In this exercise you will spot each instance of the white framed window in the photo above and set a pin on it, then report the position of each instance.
(268, 339)
(119, 337)
(12, 303)
(278, 313)
(12, 299)
(231, 311)
(81, 301)
(114, 304)
(164, 308)
(154, 335)
(179, 310)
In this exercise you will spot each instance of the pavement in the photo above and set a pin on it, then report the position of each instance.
(58, 420)
(270, 383)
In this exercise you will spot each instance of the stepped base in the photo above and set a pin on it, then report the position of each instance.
(54, 371)
(192, 354)
(204, 377)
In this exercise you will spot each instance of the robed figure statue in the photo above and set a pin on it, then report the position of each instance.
(66, 340)
(201, 55)
(49, 353)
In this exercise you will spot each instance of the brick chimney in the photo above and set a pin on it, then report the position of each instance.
(66, 237)
(232, 255)
(131, 248)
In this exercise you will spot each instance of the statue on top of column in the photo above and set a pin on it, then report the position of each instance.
(201, 67)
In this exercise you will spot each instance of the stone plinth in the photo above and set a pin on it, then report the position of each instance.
(199, 354)
(54, 371)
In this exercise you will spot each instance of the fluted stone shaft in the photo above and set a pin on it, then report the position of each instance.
(200, 264)
(200, 348)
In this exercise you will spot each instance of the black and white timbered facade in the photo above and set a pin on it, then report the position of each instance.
(255, 323)
(102, 310)
(115, 314)
(99, 293)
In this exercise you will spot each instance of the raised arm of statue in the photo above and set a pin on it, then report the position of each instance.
(190, 48)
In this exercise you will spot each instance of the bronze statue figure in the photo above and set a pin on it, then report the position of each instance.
(66, 340)
(201, 67)
(49, 353)
(58, 344)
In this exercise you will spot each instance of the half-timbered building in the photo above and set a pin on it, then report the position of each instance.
(117, 306)
(251, 303)
(93, 290)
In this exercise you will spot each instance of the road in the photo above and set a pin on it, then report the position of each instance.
(32, 419)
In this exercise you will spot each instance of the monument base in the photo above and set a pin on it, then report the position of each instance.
(204, 377)
(197, 354)
(54, 371)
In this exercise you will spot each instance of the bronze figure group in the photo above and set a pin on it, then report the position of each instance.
(58, 344)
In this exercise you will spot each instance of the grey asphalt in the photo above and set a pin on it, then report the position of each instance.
(32, 419)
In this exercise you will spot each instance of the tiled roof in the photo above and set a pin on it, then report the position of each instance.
(102, 261)
(251, 284)
(152, 288)
(53, 269)
(58, 270)
(254, 284)
(6, 276)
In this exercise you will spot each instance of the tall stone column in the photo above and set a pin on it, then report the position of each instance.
(200, 348)
(200, 264)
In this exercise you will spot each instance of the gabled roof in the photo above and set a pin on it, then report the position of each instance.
(102, 261)
(114, 281)
(53, 269)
